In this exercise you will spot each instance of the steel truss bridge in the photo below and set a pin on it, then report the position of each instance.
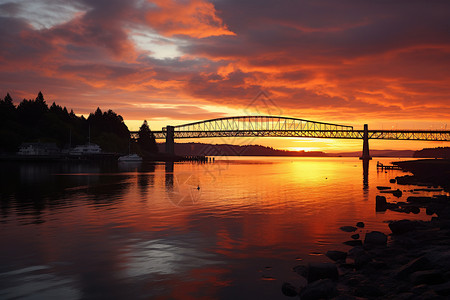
(276, 126)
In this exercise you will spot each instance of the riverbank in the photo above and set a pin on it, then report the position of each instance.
(412, 262)
(427, 172)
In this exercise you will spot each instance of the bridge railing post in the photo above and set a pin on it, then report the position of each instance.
(365, 153)
(170, 140)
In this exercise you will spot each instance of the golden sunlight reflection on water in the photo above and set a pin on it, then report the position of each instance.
(232, 228)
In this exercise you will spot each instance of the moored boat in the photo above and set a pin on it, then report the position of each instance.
(130, 158)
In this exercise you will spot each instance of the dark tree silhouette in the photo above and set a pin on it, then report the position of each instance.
(146, 140)
(33, 121)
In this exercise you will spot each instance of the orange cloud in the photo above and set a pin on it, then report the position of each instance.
(194, 18)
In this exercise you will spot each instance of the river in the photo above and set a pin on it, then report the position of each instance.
(233, 228)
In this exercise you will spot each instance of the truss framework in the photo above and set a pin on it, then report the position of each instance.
(270, 126)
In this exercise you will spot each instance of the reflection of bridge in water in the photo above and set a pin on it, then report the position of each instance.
(275, 126)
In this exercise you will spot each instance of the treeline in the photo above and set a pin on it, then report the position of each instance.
(35, 121)
(439, 152)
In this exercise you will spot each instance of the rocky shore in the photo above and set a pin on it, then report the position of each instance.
(412, 262)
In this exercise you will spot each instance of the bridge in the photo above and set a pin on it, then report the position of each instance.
(277, 126)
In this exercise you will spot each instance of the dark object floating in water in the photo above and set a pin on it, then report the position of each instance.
(360, 224)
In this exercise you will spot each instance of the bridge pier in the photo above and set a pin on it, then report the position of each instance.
(170, 140)
(365, 153)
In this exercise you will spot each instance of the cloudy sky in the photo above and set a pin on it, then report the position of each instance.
(384, 62)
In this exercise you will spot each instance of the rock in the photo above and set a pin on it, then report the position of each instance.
(392, 180)
(419, 199)
(301, 270)
(353, 243)
(321, 289)
(381, 188)
(430, 211)
(368, 290)
(414, 209)
(420, 289)
(427, 277)
(397, 193)
(289, 290)
(380, 203)
(360, 224)
(318, 271)
(362, 260)
(355, 251)
(441, 289)
(405, 296)
(336, 255)
(375, 238)
(407, 179)
(402, 226)
(378, 265)
(355, 236)
(348, 228)
(418, 264)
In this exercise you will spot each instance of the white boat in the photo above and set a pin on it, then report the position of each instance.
(86, 149)
(130, 158)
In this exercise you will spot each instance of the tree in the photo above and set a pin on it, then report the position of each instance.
(146, 139)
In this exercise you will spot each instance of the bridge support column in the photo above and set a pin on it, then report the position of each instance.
(170, 141)
(365, 153)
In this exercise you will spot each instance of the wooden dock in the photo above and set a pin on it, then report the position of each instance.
(387, 167)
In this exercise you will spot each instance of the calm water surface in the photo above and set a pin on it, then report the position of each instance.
(229, 229)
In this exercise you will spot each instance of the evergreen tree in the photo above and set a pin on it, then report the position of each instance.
(146, 139)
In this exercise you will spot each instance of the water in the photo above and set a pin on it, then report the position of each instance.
(229, 229)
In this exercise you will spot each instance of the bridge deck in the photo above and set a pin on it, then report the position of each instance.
(277, 126)
(420, 135)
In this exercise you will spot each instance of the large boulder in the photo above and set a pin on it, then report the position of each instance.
(336, 255)
(402, 226)
(321, 289)
(375, 238)
(318, 271)
(380, 203)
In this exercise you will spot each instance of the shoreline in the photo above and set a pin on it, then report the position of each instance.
(96, 158)
(412, 262)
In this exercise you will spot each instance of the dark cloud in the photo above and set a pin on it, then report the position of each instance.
(342, 59)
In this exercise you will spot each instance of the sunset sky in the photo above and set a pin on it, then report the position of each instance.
(385, 63)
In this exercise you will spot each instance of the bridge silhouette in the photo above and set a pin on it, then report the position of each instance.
(277, 126)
